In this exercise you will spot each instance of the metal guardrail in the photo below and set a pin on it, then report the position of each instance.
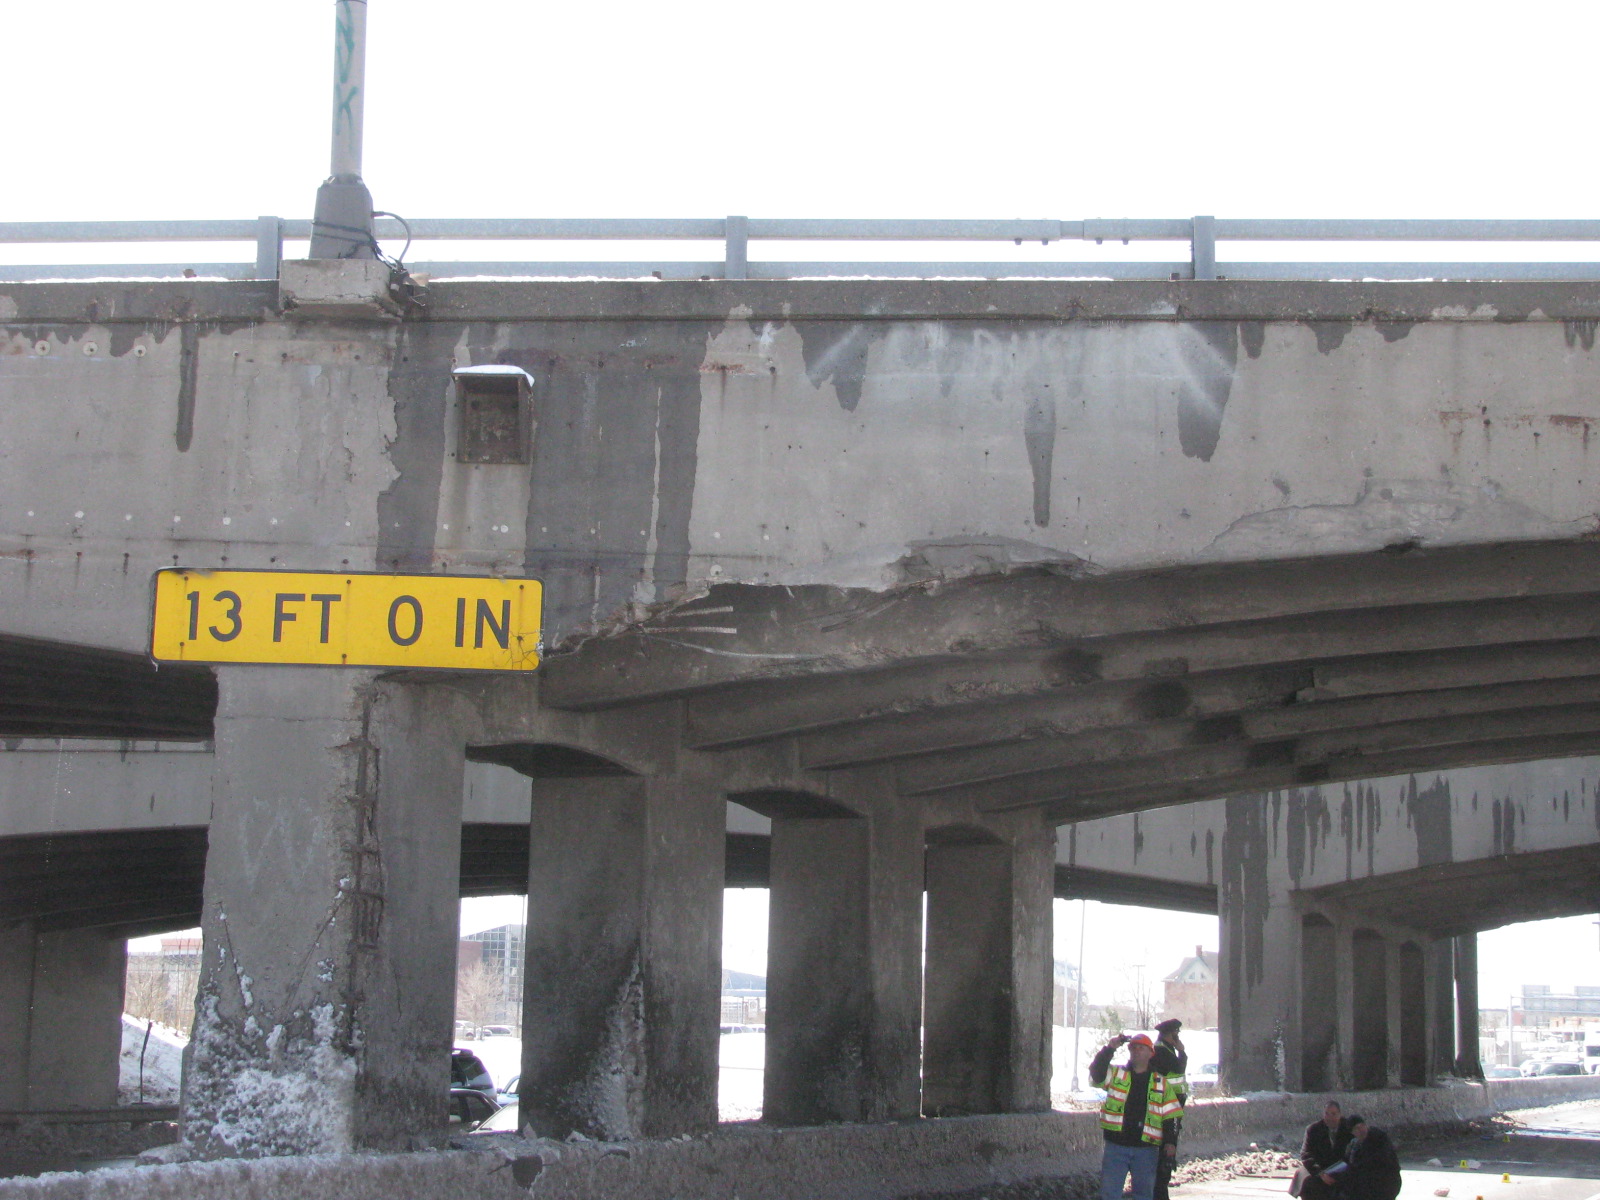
(1203, 235)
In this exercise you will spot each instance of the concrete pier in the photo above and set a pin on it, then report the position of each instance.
(986, 990)
(624, 955)
(60, 1017)
(325, 1011)
(845, 919)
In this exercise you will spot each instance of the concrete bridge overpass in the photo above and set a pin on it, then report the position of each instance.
(915, 571)
(1348, 913)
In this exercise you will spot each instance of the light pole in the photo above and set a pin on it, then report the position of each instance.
(1077, 1002)
(342, 224)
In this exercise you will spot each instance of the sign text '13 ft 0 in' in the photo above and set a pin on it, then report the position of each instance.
(455, 622)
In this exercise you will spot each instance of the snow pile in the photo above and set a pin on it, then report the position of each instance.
(163, 1062)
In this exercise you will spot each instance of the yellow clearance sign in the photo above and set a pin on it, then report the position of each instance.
(347, 619)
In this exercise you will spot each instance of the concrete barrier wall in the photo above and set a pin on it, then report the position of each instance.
(844, 1162)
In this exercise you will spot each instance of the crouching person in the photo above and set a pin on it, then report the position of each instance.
(1136, 1117)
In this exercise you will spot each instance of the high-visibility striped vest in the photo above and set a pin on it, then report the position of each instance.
(1161, 1103)
(1178, 1084)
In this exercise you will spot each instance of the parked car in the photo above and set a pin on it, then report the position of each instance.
(489, 1031)
(1561, 1068)
(473, 1098)
(1502, 1073)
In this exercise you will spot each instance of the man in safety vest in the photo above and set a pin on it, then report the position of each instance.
(1140, 1104)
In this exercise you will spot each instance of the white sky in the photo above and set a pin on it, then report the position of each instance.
(194, 108)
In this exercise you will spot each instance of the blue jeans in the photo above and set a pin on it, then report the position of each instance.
(1116, 1164)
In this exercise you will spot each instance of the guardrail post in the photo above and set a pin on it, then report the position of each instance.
(1203, 239)
(269, 246)
(736, 237)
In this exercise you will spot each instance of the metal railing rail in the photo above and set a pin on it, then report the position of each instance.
(1203, 235)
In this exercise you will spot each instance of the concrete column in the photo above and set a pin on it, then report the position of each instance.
(620, 1004)
(17, 941)
(1370, 1009)
(820, 1010)
(1258, 1001)
(1468, 1064)
(1440, 965)
(1411, 999)
(1320, 1060)
(1346, 972)
(987, 974)
(60, 1017)
(324, 1016)
(844, 952)
(75, 1050)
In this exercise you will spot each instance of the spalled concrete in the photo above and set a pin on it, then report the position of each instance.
(324, 1015)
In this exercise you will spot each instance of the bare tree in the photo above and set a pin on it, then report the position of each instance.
(478, 994)
(145, 995)
(161, 988)
(1136, 996)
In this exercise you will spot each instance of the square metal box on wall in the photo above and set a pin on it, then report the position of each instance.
(495, 422)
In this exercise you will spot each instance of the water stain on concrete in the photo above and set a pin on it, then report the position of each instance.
(1207, 353)
(419, 387)
(1330, 334)
(1431, 813)
(188, 378)
(1039, 434)
(1580, 333)
(837, 351)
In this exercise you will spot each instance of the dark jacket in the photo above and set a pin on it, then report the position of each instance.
(1374, 1172)
(1322, 1147)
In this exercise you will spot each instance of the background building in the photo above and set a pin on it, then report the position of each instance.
(1191, 991)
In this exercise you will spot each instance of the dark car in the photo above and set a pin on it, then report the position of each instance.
(473, 1098)
(1561, 1068)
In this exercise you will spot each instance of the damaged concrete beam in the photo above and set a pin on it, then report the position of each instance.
(769, 632)
(1319, 730)
(1064, 804)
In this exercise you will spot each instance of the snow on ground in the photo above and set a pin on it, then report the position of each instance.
(163, 1062)
(1200, 1043)
(743, 1057)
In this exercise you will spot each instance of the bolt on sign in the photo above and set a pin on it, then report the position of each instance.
(346, 619)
